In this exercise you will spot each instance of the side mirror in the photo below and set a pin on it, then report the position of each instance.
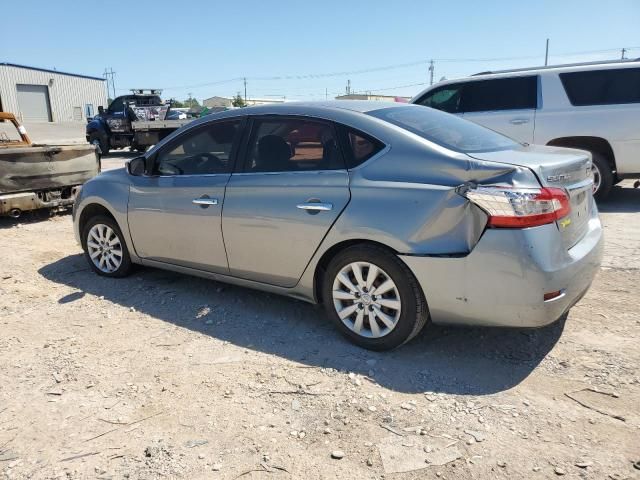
(100, 109)
(136, 166)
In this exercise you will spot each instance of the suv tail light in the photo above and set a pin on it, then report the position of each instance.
(520, 207)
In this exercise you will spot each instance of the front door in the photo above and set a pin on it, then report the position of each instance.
(175, 212)
(279, 207)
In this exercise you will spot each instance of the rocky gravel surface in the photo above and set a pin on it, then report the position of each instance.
(160, 375)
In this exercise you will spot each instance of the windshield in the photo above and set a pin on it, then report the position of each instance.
(444, 129)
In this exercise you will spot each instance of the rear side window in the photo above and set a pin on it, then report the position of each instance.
(292, 145)
(602, 87)
(445, 130)
(514, 93)
(360, 147)
(446, 98)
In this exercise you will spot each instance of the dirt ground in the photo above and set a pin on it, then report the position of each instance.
(161, 375)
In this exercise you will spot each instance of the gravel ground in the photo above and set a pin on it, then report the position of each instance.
(161, 375)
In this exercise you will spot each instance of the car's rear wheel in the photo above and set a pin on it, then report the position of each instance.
(602, 176)
(373, 298)
(104, 247)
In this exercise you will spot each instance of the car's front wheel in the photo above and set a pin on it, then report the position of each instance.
(373, 297)
(104, 247)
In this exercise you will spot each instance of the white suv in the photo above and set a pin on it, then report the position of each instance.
(594, 107)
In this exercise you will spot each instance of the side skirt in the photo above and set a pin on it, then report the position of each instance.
(295, 292)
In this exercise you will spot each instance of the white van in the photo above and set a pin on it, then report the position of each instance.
(590, 106)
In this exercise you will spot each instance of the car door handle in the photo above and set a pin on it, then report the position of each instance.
(205, 201)
(518, 121)
(315, 206)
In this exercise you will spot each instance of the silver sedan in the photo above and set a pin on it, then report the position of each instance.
(390, 215)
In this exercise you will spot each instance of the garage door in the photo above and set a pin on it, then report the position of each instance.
(33, 101)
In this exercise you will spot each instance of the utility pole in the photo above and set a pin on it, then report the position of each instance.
(245, 90)
(190, 101)
(348, 89)
(624, 50)
(431, 71)
(546, 54)
(107, 74)
(326, 93)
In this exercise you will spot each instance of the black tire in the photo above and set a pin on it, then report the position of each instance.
(414, 312)
(101, 140)
(125, 267)
(603, 169)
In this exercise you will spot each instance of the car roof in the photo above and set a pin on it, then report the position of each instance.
(362, 106)
(520, 72)
(599, 65)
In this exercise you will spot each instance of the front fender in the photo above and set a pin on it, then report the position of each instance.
(97, 125)
(113, 197)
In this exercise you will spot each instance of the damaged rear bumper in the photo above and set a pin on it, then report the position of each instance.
(502, 282)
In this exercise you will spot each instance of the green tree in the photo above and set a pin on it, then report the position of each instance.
(177, 104)
(191, 102)
(238, 101)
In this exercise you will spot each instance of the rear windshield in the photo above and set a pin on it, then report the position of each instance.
(445, 129)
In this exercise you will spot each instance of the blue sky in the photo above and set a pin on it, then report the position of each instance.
(205, 47)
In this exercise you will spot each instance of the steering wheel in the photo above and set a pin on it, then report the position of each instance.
(205, 160)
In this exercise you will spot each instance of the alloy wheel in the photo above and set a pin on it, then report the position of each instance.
(104, 248)
(366, 299)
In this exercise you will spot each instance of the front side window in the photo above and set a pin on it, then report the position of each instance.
(292, 145)
(602, 87)
(203, 151)
(117, 105)
(514, 93)
(445, 130)
(446, 98)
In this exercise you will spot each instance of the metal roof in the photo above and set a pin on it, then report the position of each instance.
(6, 64)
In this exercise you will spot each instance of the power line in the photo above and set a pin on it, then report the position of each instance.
(387, 67)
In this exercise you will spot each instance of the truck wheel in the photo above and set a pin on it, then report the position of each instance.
(101, 141)
(602, 176)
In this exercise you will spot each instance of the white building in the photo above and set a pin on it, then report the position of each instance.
(42, 95)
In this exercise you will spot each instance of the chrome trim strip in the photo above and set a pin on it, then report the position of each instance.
(295, 172)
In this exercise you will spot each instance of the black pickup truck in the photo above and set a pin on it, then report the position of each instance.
(137, 121)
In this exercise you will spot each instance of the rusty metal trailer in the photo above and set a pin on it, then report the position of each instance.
(36, 176)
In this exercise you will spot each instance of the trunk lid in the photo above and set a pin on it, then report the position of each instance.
(557, 167)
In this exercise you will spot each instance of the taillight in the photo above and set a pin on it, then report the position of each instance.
(520, 207)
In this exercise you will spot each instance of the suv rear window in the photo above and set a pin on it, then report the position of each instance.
(602, 87)
(514, 93)
(444, 129)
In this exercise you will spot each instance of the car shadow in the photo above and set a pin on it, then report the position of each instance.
(621, 200)
(463, 361)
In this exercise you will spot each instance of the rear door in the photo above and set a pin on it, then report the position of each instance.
(506, 105)
(292, 187)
